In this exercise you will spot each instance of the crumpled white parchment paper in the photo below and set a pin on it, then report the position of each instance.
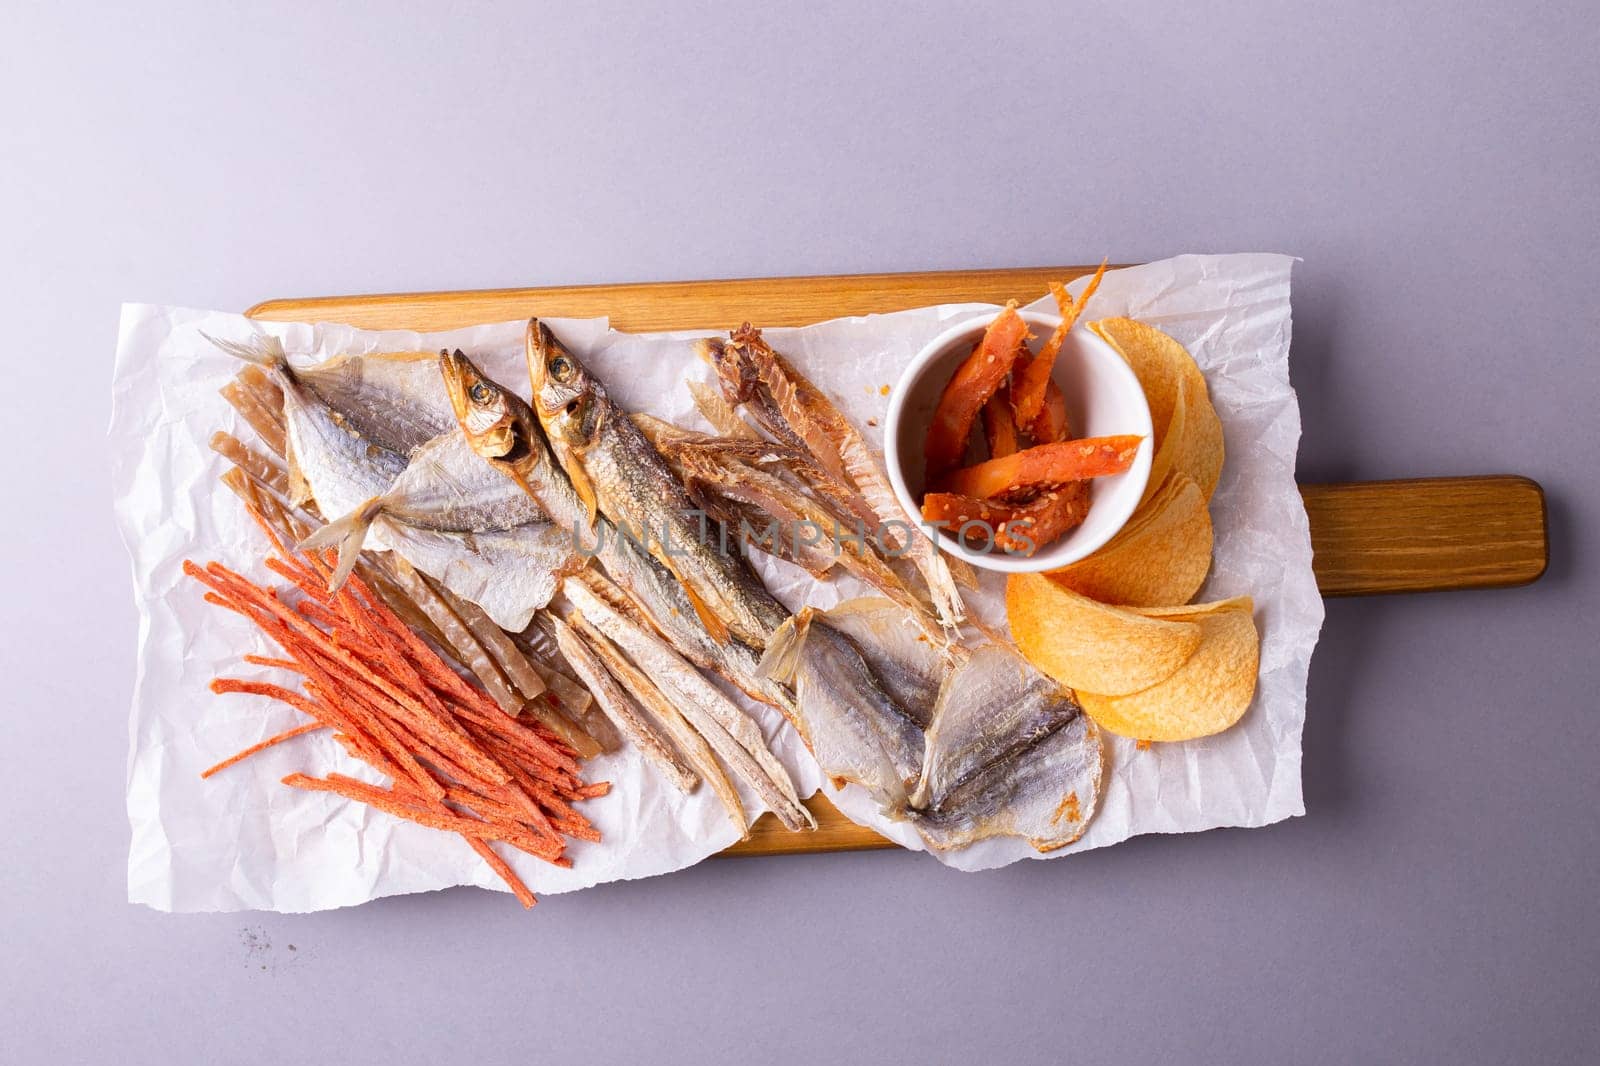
(241, 840)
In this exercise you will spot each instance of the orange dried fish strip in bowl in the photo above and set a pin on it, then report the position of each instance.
(977, 379)
(1027, 393)
(1044, 466)
(999, 428)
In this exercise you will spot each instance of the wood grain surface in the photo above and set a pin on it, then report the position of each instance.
(1417, 535)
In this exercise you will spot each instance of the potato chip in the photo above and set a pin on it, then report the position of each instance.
(1178, 397)
(1205, 695)
(1191, 611)
(1168, 442)
(1160, 557)
(1088, 645)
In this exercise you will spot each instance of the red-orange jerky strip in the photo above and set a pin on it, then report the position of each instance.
(239, 757)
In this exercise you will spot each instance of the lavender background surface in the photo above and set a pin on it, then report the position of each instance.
(1434, 165)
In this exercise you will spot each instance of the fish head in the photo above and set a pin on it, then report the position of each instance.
(566, 397)
(570, 404)
(496, 422)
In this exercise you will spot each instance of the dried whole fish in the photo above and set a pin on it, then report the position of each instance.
(504, 431)
(393, 399)
(323, 450)
(616, 471)
(445, 488)
(792, 409)
(730, 479)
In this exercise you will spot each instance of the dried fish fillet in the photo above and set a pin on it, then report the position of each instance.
(655, 702)
(624, 712)
(509, 573)
(792, 409)
(1009, 753)
(862, 706)
(734, 736)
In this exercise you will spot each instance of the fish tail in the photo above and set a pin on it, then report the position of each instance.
(347, 534)
(264, 350)
(782, 657)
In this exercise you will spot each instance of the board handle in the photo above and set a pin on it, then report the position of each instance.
(1427, 534)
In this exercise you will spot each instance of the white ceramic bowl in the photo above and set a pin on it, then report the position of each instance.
(1103, 399)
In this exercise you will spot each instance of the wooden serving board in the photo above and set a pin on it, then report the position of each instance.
(1417, 535)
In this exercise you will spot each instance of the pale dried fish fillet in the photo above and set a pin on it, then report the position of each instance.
(1045, 795)
(259, 402)
(624, 712)
(509, 573)
(654, 701)
(909, 666)
(725, 726)
(506, 655)
(857, 709)
(458, 636)
(253, 464)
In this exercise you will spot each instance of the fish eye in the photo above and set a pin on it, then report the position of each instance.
(560, 367)
(480, 393)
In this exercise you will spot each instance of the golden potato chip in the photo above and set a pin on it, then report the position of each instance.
(1168, 443)
(1088, 645)
(1178, 397)
(1191, 611)
(1160, 557)
(1205, 695)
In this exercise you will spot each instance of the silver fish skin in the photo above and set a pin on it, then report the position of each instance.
(445, 488)
(618, 472)
(995, 706)
(472, 513)
(342, 468)
(393, 399)
(1046, 795)
(1009, 753)
(863, 699)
